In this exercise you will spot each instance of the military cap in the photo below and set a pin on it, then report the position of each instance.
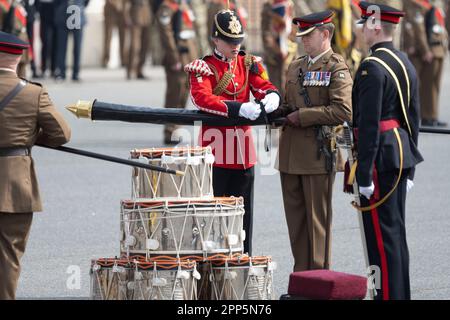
(228, 27)
(310, 22)
(11, 44)
(386, 13)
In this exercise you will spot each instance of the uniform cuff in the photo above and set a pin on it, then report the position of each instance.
(233, 108)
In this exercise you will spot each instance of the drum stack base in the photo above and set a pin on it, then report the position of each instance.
(178, 242)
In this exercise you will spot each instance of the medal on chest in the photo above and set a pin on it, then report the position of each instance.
(317, 79)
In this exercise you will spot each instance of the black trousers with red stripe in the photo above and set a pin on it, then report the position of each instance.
(386, 239)
(237, 183)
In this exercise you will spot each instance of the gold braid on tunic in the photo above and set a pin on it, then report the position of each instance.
(223, 83)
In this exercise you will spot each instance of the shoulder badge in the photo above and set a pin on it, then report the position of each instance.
(257, 67)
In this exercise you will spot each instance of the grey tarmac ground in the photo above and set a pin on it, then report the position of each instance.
(82, 199)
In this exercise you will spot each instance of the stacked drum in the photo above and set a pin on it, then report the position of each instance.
(179, 242)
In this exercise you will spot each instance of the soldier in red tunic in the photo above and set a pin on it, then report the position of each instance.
(221, 84)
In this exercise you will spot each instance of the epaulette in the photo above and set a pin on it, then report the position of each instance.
(337, 58)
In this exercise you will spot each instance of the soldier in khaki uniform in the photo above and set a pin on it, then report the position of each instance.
(178, 40)
(138, 18)
(114, 18)
(27, 117)
(425, 41)
(278, 37)
(318, 98)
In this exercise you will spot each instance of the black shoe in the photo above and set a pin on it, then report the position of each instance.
(427, 123)
(60, 78)
(441, 124)
(434, 123)
(170, 142)
(141, 76)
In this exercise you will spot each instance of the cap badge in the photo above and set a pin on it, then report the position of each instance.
(235, 26)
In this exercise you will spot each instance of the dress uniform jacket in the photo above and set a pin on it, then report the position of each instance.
(28, 119)
(377, 99)
(330, 105)
(238, 154)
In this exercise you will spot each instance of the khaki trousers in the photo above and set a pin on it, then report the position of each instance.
(177, 94)
(14, 232)
(139, 47)
(114, 19)
(307, 205)
(430, 77)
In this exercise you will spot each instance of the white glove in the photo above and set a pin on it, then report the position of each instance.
(250, 110)
(367, 191)
(271, 102)
(409, 185)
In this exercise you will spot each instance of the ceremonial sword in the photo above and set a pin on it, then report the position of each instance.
(348, 145)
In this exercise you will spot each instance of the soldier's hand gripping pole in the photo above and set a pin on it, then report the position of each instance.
(103, 157)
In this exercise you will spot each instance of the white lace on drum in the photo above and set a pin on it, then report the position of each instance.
(154, 279)
(195, 162)
(183, 227)
(237, 279)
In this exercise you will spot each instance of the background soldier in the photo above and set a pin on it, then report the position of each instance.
(13, 19)
(178, 40)
(345, 41)
(318, 97)
(425, 41)
(47, 34)
(114, 18)
(27, 116)
(386, 122)
(63, 29)
(31, 10)
(279, 43)
(221, 84)
(138, 18)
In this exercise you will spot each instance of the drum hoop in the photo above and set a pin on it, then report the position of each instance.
(151, 203)
(161, 264)
(156, 153)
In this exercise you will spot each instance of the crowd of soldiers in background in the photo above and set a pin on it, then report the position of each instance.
(181, 28)
(19, 16)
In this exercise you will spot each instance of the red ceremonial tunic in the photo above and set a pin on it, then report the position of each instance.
(233, 147)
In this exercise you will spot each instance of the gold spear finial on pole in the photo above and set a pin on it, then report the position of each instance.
(81, 109)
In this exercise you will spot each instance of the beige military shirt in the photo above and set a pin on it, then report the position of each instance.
(329, 86)
(30, 118)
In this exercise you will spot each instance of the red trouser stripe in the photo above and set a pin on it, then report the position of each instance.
(380, 243)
